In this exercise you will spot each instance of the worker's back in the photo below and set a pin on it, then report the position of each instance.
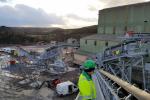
(87, 88)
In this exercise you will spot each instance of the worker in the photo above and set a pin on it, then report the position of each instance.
(85, 83)
(117, 52)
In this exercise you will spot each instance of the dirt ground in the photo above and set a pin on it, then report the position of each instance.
(12, 77)
(13, 91)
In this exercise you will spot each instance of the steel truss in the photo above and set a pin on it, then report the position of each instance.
(121, 65)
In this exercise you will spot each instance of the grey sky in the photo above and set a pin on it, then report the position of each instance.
(22, 15)
(111, 3)
(57, 13)
(5, 0)
(73, 16)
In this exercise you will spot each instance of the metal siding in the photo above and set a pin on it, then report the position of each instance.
(132, 17)
(109, 30)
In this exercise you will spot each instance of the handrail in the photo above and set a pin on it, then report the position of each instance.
(138, 93)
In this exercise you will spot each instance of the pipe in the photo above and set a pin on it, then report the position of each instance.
(78, 96)
(138, 93)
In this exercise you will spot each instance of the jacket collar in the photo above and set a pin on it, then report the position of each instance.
(88, 77)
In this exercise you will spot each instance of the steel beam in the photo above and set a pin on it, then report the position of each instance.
(138, 93)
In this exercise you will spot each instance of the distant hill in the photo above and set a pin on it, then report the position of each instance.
(9, 36)
(63, 34)
(32, 30)
(23, 35)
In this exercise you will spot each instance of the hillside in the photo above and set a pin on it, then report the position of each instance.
(18, 35)
(63, 34)
(32, 30)
(9, 36)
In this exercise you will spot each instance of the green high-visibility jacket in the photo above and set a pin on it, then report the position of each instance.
(86, 87)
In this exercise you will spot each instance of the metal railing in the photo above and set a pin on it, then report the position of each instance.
(104, 91)
(138, 93)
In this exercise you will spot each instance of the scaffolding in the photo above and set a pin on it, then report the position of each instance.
(117, 63)
(121, 60)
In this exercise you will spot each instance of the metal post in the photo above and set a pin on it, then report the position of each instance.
(130, 73)
(123, 69)
(128, 97)
(118, 90)
(143, 66)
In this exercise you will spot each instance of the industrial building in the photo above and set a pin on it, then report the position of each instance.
(122, 50)
(115, 22)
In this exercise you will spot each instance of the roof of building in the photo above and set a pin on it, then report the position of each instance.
(127, 5)
(65, 84)
(104, 37)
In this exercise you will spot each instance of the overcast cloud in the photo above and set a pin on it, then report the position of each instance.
(5, 0)
(111, 3)
(22, 15)
(63, 13)
(73, 16)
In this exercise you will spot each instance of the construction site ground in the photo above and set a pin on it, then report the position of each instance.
(20, 81)
(11, 90)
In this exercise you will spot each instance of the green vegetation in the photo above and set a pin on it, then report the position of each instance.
(8, 36)
(63, 34)
(15, 35)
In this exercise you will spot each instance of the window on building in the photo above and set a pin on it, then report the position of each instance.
(114, 30)
(95, 43)
(106, 43)
(85, 41)
(125, 28)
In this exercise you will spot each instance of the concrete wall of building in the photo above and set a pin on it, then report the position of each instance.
(94, 46)
(118, 20)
